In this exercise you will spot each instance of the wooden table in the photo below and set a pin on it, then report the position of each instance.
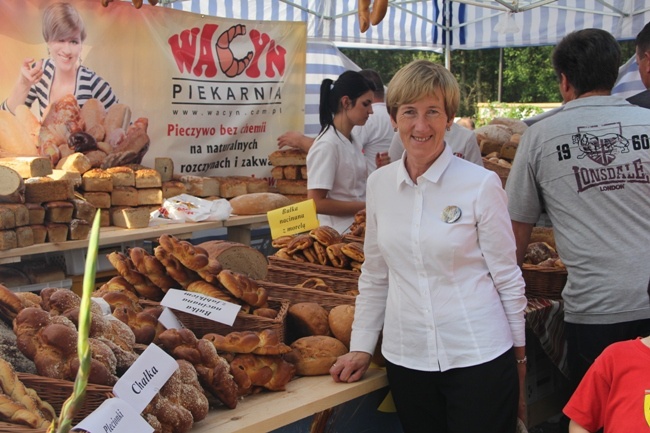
(303, 397)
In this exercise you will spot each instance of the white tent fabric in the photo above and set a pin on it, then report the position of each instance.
(629, 80)
(439, 24)
(432, 25)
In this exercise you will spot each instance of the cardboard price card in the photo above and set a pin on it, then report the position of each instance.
(115, 416)
(201, 305)
(296, 218)
(148, 374)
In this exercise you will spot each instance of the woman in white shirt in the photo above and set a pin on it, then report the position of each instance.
(440, 276)
(336, 167)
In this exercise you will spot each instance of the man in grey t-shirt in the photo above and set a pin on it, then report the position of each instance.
(588, 166)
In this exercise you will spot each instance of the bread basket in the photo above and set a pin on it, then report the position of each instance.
(296, 294)
(314, 268)
(6, 427)
(502, 171)
(57, 391)
(544, 282)
(293, 277)
(243, 322)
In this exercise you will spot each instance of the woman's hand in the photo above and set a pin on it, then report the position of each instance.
(350, 367)
(30, 72)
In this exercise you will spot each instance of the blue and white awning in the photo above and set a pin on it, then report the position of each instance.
(440, 24)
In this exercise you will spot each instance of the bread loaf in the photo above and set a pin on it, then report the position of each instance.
(289, 156)
(12, 186)
(72, 177)
(258, 203)
(291, 172)
(286, 186)
(231, 187)
(79, 229)
(98, 199)
(150, 196)
(7, 218)
(315, 355)
(21, 213)
(56, 232)
(97, 179)
(340, 321)
(308, 318)
(24, 236)
(199, 186)
(277, 172)
(237, 257)
(147, 178)
(173, 188)
(83, 210)
(130, 217)
(42, 189)
(124, 196)
(8, 239)
(58, 211)
(74, 162)
(122, 176)
(28, 166)
(39, 232)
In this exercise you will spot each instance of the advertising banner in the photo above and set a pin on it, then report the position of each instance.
(212, 94)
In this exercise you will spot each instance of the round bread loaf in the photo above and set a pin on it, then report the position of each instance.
(314, 355)
(258, 203)
(340, 321)
(308, 318)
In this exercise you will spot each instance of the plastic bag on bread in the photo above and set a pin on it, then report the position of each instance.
(188, 208)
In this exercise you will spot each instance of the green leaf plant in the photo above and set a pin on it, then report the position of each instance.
(72, 405)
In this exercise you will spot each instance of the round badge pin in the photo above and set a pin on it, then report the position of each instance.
(451, 214)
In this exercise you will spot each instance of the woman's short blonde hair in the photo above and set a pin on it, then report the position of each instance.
(419, 79)
(61, 21)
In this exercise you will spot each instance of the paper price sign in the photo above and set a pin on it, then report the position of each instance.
(201, 305)
(289, 220)
(115, 416)
(142, 381)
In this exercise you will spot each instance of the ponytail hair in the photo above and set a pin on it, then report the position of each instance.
(351, 84)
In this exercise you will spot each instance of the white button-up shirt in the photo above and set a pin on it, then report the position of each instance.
(447, 294)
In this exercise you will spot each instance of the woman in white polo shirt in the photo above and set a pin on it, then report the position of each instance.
(440, 275)
(336, 167)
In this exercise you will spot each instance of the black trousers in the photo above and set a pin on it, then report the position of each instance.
(478, 399)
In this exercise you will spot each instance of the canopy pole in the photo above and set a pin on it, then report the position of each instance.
(500, 75)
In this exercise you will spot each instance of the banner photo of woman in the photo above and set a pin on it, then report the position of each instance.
(125, 85)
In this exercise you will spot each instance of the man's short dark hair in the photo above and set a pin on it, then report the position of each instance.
(589, 59)
(642, 41)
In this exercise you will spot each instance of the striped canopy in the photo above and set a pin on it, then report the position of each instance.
(440, 24)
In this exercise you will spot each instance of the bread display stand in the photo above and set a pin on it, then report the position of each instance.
(303, 397)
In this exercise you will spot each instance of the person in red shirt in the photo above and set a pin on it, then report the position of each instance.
(615, 391)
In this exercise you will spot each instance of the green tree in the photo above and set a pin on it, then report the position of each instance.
(528, 76)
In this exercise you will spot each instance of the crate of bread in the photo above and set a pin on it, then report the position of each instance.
(543, 270)
(498, 142)
(322, 250)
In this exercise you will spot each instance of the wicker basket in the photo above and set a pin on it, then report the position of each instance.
(502, 171)
(544, 282)
(294, 277)
(321, 270)
(6, 427)
(57, 391)
(243, 322)
(295, 295)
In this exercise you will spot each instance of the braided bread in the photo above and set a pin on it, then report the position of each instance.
(243, 288)
(213, 370)
(124, 266)
(175, 268)
(39, 413)
(150, 266)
